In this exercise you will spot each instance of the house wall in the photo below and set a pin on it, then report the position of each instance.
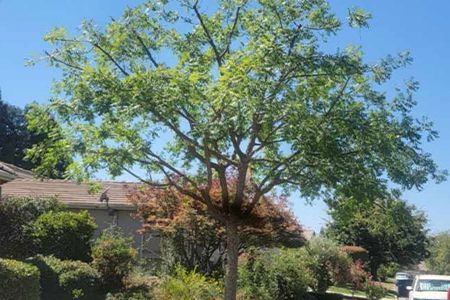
(147, 245)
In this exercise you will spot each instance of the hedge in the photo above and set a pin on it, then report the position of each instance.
(16, 217)
(18, 280)
(66, 279)
(65, 235)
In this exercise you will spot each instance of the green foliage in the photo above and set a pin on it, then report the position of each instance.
(185, 285)
(392, 231)
(326, 262)
(16, 218)
(133, 295)
(18, 280)
(137, 287)
(66, 235)
(375, 290)
(439, 258)
(113, 256)
(387, 270)
(247, 89)
(228, 86)
(66, 280)
(279, 275)
(16, 138)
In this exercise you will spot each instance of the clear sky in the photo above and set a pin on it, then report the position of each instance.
(416, 25)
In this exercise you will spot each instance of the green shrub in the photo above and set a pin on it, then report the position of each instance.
(327, 263)
(65, 235)
(66, 279)
(137, 287)
(18, 280)
(374, 290)
(16, 216)
(184, 285)
(113, 258)
(269, 275)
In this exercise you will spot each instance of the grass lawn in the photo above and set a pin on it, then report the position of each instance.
(347, 291)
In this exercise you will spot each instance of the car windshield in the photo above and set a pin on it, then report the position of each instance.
(433, 285)
(402, 276)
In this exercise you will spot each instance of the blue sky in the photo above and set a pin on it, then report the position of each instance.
(398, 25)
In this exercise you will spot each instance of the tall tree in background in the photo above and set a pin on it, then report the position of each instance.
(390, 230)
(16, 138)
(439, 259)
(245, 89)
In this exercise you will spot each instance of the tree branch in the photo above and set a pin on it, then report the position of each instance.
(124, 72)
(208, 35)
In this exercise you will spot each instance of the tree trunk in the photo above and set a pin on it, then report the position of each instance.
(374, 265)
(231, 271)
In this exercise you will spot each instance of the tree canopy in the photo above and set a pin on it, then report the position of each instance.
(16, 138)
(177, 95)
(439, 259)
(392, 231)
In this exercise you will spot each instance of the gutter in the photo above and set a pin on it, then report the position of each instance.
(100, 206)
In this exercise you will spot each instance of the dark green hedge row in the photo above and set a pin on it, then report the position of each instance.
(18, 280)
(66, 279)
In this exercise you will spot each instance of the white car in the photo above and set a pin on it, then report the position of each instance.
(429, 287)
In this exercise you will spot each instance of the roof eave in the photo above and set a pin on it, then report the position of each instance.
(100, 206)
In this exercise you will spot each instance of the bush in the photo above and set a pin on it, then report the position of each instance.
(113, 258)
(137, 287)
(65, 235)
(184, 285)
(268, 275)
(16, 216)
(18, 280)
(327, 263)
(374, 290)
(358, 275)
(65, 279)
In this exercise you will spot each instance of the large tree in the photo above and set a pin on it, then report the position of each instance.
(392, 231)
(439, 260)
(246, 88)
(16, 138)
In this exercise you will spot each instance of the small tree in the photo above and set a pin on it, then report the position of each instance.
(247, 89)
(198, 239)
(65, 235)
(112, 256)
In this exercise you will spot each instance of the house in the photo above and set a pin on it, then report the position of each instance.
(9, 172)
(108, 204)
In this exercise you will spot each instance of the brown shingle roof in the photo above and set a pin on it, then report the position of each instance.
(72, 193)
